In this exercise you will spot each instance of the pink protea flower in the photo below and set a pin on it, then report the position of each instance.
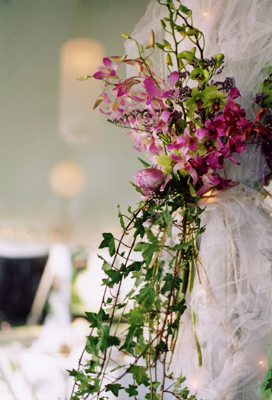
(149, 180)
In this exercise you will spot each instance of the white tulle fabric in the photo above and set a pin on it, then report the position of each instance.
(233, 302)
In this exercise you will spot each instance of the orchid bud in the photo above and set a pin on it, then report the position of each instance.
(149, 180)
(125, 35)
(84, 77)
(118, 58)
(168, 59)
(219, 59)
(98, 101)
(151, 42)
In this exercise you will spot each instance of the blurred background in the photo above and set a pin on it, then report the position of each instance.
(63, 171)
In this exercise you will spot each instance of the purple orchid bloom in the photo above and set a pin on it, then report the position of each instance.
(106, 71)
(185, 143)
(236, 144)
(186, 166)
(215, 128)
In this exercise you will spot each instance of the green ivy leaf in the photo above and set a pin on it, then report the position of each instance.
(179, 307)
(115, 276)
(154, 396)
(168, 220)
(269, 385)
(139, 374)
(129, 344)
(168, 283)
(93, 388)
(139, 228)
(135, 266)
(108, 242)
(131, 390)
(146, 297)
(114, 388)
(161, 347)
(72, 372)
(135, 316)
(96, 319)
(147, 249)
(106, 340)
(181, 246)
(156, 384)
(121, 218)
(91, 346)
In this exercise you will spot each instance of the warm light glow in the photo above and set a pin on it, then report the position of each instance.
(263, 363)
(207, 194)
(67, 179)
(202, 291)
(206, 14)
(78, 124)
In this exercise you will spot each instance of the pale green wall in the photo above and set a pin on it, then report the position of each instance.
(31, 33)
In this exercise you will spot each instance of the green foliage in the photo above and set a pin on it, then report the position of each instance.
(267, 91)
(108, 242)
(144, 325)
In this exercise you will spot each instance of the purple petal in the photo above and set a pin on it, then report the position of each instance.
(173, 78)
(99, 75)
(202, 190)
(193, 174)
(165, 116)
(234, 93)
(107, 62)
(200, 133)
(151, 88)
(192, 146)
(176, 158)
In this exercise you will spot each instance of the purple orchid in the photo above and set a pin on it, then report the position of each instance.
(107, 71)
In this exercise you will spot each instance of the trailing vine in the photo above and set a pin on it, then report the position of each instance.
(163, 230)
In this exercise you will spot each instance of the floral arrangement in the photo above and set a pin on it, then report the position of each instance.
(189, 125)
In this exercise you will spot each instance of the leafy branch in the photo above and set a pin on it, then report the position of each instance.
(144, 325)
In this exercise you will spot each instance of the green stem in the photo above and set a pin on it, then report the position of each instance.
(198, 348)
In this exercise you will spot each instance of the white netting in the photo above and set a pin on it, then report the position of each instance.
(234, 309)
